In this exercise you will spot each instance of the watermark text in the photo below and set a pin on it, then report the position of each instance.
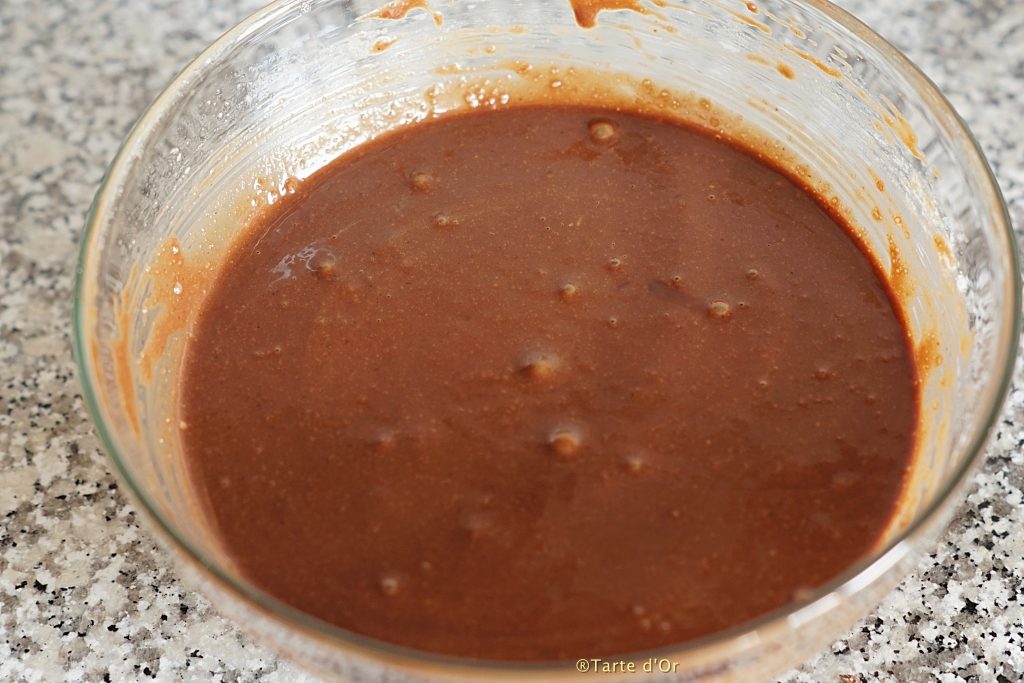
(654, 665)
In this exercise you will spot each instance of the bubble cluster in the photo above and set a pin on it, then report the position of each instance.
(422, 182)
(475, 524)
(385, 440)
(565, 441)
(803, 594)
(443, 221)
(389, 584)
(845, 479)
(275, 350)
(720, 309)
(323, 264)
(823, 374)
(602, 130)
(539, 365)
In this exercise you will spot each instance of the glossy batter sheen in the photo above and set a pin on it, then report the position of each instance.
(547, 383)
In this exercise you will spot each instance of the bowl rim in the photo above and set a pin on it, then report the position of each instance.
(847, 583)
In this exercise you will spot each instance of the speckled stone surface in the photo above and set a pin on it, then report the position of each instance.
(84, 593)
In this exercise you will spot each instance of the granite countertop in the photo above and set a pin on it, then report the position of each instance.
(84, 593)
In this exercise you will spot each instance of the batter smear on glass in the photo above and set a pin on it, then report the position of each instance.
(544, 383)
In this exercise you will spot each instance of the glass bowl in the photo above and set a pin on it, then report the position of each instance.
(300, 82)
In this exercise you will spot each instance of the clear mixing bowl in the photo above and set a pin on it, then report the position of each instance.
(300, 82)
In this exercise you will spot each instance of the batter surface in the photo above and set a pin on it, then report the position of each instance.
(545, 383)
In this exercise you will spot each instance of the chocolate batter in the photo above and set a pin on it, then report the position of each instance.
(545, 383)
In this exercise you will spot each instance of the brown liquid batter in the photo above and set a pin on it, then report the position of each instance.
(545, 383)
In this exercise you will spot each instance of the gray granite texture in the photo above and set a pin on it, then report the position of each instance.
(84, 593)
